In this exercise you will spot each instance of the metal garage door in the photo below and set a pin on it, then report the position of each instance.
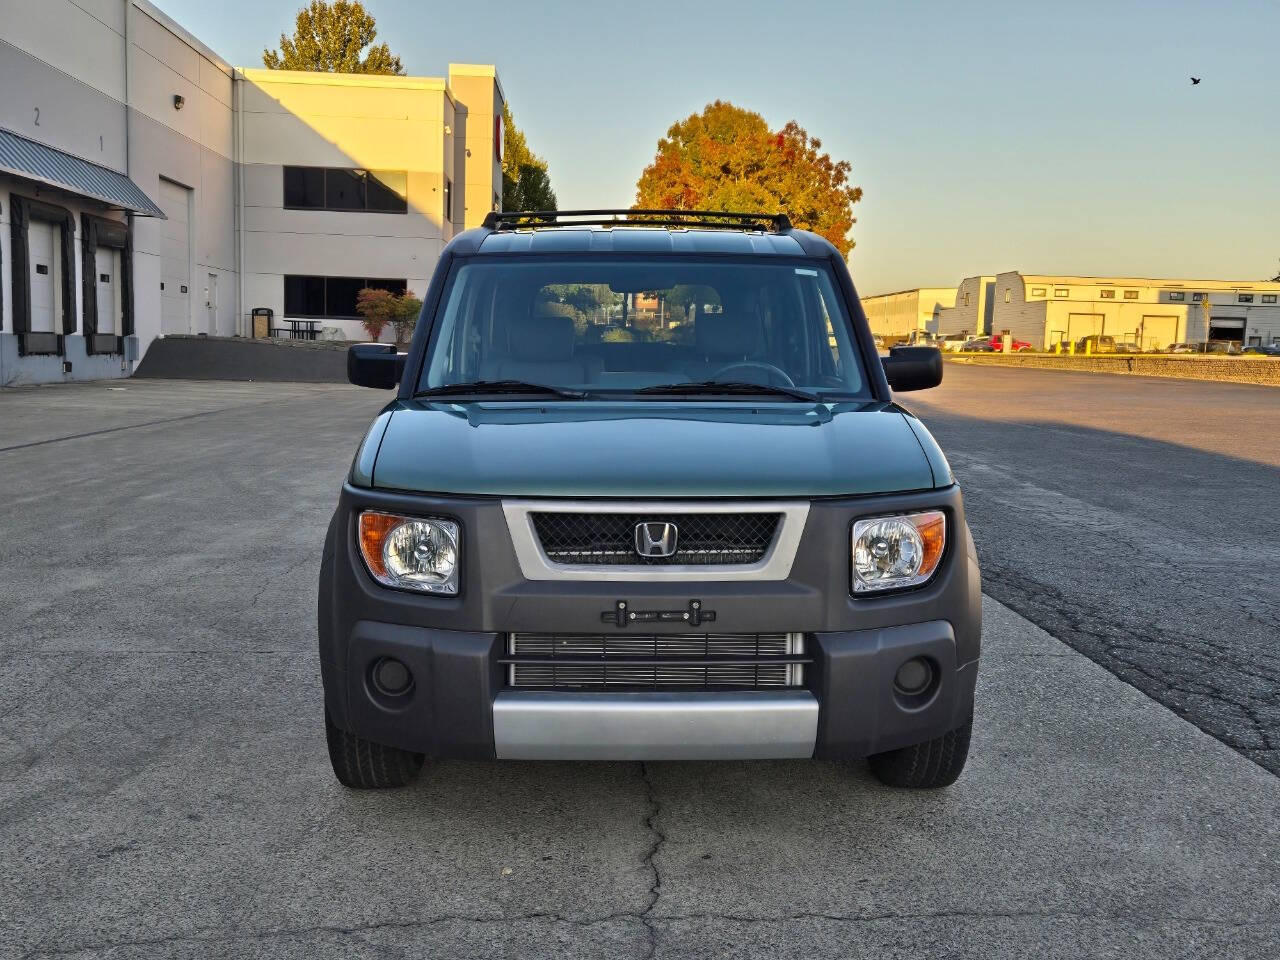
(1083, 325)
(42, 252)
(1158, 332)
(175, 263)
(107, 288)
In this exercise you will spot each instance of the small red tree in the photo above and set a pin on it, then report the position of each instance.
(377, 308)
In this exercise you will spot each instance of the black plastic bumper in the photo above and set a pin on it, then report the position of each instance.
(452, 644)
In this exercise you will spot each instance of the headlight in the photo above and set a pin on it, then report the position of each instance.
(410, 553)
(894, 552)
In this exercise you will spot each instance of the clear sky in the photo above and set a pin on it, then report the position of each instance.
(1006, 135)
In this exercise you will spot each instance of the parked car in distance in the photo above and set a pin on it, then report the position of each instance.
(1018, 346)
(1096, 343)
(1262, 350)
(1182, 348)
(952, 342)
(978, 345)
(1222, 346)
(923, 338)
(723, 542)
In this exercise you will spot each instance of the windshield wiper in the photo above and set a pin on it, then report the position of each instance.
(500, 386)
(731, 387)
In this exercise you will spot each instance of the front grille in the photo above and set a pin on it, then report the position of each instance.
(592, 661)
(702, 539)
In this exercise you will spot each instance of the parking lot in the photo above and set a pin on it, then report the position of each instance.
(165, 792)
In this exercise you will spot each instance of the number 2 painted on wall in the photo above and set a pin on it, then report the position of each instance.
(37, 116)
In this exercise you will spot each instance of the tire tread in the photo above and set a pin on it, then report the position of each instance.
(364, 765)
(925, 766)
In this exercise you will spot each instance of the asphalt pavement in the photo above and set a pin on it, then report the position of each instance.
(164, 788)
(1137, 519)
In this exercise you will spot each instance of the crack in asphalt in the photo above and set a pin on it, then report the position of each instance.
(650, 857)
(219, 935)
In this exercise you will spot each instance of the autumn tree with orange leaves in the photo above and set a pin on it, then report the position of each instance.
(727, 158)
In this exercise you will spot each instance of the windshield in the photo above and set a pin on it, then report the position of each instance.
(618, 326)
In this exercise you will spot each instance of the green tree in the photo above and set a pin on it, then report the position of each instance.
(333, 37)
(727, 158)
(526, 184)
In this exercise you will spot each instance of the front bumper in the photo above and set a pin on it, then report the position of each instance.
(460, 706)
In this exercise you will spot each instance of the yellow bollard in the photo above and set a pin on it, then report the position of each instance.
(1088, 347)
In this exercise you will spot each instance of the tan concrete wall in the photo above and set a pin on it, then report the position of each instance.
(193, 147)
(478, 90)
(1259, 370)
(62, 76)
(354, 122)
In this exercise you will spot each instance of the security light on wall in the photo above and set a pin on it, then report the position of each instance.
(179, 101)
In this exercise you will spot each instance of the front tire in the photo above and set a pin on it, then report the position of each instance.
(364, 765)
(925, 766)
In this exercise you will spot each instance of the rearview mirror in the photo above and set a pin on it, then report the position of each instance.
(913, 368)
(376, 365)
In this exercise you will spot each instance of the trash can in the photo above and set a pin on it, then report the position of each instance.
(262, 322)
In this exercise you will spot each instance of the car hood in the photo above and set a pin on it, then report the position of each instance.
(651, 449)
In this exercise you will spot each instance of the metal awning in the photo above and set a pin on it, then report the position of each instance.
(35, 161)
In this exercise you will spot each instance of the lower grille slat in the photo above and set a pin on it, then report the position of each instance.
(655, 661)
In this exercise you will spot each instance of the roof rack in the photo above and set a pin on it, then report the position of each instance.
(704, 219)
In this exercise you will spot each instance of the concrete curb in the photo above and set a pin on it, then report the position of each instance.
(1264, 371)
(235, 358)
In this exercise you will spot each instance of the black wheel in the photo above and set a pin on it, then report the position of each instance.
(925, 766)
(364, 765)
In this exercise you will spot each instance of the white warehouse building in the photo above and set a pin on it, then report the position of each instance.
(149, 188)
(1048, 309)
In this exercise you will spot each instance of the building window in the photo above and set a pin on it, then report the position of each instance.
(1107, 294)
(1131, 294)
(1268, 298)
(330, 297)
(352, 191)
(448, 200)
(1177, 295)
(1245, 298)
(1197, 297)
(1008, 295)
(966, 299)
(1037, 291)
(1061, 292)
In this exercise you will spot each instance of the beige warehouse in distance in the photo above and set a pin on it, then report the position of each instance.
(1048, 309)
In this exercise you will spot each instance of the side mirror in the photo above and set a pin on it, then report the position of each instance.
(376, 365)
(912, 368)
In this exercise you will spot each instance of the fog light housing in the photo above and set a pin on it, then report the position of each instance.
(391, 678)
(914, 677)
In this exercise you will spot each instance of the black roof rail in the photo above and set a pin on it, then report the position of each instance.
(706, 219)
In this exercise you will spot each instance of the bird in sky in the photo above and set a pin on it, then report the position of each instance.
(1194, 81)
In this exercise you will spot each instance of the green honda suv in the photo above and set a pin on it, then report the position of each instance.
(643, 493)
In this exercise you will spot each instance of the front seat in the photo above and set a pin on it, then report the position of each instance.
(721, 340)
(540, 350)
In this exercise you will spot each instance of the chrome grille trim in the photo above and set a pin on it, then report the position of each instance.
(774, 565)
(655, 661)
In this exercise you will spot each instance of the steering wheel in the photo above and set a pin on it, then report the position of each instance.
(776, 374)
